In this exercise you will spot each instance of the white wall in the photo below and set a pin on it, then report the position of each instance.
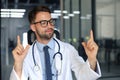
(108, 18)
(118, 20)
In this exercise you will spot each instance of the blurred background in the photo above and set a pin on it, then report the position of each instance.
(74, 20)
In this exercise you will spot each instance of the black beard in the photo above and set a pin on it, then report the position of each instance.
(45, 37)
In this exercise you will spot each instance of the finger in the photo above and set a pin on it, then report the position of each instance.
(89, 42)
(91, 35)
(91, 39)
(18, 50)
(84, 45)
(20, 47)
(18, 40)
(91, 47)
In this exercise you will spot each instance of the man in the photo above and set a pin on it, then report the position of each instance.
(30, 63)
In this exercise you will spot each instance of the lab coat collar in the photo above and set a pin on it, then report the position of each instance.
(38, 62)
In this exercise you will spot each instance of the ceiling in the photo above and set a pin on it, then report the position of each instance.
(103, 3)
(51, 3)
(26, 4)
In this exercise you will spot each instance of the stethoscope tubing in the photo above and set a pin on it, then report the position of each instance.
(33, 53)
(61, 57)
(58, 50)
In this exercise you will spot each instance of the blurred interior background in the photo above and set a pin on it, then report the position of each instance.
(74, 20)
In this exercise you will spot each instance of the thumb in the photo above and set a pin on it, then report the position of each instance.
(84, 45)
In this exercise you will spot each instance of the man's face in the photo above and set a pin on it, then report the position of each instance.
(44, 27)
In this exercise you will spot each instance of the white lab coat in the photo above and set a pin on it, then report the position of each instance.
(71, 61)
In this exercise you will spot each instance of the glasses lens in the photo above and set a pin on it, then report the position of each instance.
(43, 23)
(52, 22)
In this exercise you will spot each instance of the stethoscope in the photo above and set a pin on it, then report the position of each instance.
(58, 67)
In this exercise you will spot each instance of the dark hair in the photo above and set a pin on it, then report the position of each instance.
(35, 10)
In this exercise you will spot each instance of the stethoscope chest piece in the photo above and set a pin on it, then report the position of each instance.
(36, 68)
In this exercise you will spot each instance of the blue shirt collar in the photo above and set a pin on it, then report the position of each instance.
(51, 44)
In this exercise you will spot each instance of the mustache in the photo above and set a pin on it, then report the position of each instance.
(52, 29)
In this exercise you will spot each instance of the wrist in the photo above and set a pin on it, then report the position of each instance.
(92, 60)
(17, 64)
(18, 68)
(93, 63)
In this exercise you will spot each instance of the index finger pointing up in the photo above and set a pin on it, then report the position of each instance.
(91, 35)
(18, 40)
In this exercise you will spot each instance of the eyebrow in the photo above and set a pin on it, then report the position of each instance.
(41, 20)
(44, 20)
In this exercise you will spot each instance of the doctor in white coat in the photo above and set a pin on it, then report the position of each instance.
(29, 61)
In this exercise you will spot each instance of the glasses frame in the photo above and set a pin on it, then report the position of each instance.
(46, 22)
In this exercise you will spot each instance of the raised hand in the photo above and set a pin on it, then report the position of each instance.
(91, 49)
(19, 54)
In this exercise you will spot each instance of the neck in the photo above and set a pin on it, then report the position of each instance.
(43, 41)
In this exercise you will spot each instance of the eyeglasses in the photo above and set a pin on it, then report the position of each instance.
(44, 23)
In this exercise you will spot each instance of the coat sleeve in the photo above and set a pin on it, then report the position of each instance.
(81, 68)
(25, 69)
(14, 76)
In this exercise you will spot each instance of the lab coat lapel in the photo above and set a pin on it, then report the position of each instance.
(58, 63)
(63, 74)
